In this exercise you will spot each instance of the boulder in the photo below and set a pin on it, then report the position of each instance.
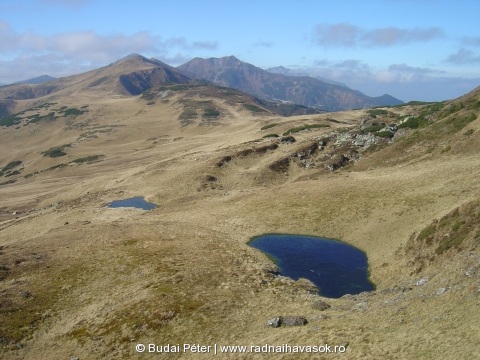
(278, 321)
(275, 322)
(294, 321)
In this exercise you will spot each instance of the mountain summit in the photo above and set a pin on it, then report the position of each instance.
(130, 75)
(304, 90)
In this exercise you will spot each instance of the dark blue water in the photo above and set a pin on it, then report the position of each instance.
(135, 202)
(335, 267)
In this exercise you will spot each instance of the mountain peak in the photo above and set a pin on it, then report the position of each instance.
(133, 58)
(36, 80)
(226, 61)
(307, 91)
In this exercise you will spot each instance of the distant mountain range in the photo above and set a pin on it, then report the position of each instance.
(36, 80)
(134, 74)
(304, 90)
(286, 71)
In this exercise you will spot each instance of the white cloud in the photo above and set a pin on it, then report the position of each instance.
(342, 34)
(69, 52)
(400, 80)
(464, 56)
(348, 35)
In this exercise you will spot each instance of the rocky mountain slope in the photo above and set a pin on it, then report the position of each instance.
(304, 90)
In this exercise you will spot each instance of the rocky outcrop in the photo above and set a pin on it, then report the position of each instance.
(278, 321)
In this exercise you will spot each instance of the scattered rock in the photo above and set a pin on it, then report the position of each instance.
(223, 161)
(320, 305)
(361, 306)
(469, 273)
(441, 291)
(422, 281)
(278, 321)
(336, 162)
(275, 322)
(288, 139)
(294, 321)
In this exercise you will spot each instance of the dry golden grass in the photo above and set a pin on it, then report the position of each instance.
(80, 279)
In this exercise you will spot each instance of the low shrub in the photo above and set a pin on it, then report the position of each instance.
(269, 126)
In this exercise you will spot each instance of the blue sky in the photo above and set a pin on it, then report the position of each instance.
(411, 49)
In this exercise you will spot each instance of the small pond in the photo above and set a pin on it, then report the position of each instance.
(135, 202)
(335, 267)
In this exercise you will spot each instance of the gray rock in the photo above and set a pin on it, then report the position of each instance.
(294, 321)
(275, 322)
(320, 305)
(278, 321)
(422, 281)
(361, 306)
(441, 291)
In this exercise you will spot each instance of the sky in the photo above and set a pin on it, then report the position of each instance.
(425, 50)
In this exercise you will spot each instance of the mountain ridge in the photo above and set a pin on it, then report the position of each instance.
(304, 90)
(36, 80)
(134, 74)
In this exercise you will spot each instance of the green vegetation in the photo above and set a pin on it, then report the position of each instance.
(270, 136)
(13, 173)
(460, 121)
(446, 149)
(413, 122)
(32, 119)
(74, 112)
(304, 127)
(375, 112)
(469, 132)
(372, 128)
(455, 230)
(188, 114)
(10, 120)
(417, 102)
(58, 166)
(87, 159)
(43, 106)
(210, 112)
(15, 119)
(427, 232)
(269, 126)
(384, 134)
(11, 165)
(191, 108)
(56, 151)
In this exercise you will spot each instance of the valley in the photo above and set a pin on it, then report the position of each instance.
(82, 280)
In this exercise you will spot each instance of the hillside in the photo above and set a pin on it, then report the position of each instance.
(400, 183)
(128, 76)
(303, 90)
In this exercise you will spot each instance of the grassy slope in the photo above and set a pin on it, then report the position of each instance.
(83, 280)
